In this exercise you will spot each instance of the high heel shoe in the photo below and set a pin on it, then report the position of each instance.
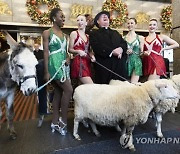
(61, 129)
(55, 127)
(41, 118)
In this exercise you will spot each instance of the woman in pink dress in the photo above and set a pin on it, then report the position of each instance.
(153, 62)
(79, 46)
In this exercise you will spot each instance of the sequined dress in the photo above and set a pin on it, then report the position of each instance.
(57, 55)
(134, 61)
(81, 66)
(155, 59)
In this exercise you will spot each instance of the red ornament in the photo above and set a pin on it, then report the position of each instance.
(33, 2)
(113, 1)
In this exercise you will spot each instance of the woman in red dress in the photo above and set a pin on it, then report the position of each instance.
(79, 46)
(153, 62)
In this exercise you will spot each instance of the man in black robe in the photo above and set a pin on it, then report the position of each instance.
(110, 50)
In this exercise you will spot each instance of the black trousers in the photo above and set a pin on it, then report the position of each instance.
(42, 95)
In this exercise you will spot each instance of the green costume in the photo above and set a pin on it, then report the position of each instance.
(134, 60)
(57, 56)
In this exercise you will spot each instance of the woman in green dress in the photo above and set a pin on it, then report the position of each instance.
(135, 48)
(55, 64)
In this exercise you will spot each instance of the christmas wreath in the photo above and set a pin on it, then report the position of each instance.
(36, 14)
(118, 8)
(166, 17)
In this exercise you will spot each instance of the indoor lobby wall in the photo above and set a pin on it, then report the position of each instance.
(176, 35)
(19, 10)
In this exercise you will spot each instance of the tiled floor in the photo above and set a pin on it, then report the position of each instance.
(33, 140)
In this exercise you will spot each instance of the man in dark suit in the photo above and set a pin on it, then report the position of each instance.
(42, 94)
(38, 52)
(110, 50)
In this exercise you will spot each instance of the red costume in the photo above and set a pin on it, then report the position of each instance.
(155, 59)
(81, 66)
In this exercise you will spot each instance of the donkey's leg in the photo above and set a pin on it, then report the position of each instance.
(10, 114)
(0, 114)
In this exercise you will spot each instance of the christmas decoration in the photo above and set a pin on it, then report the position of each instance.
(142, 17)
(166, 17)
(36, 14)
(118, 11)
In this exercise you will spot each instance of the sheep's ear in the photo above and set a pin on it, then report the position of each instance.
(111, 81)
(160, 85)
(176, 79)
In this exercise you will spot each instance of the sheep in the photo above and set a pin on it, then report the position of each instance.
(163, 106)
(166, 105)
(108, 105)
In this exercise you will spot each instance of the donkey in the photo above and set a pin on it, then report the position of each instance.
(17, 67)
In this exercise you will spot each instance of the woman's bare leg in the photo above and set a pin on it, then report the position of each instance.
(66, 96)
(153, 76)
(134, 78)
(56, 103)
(86, 80)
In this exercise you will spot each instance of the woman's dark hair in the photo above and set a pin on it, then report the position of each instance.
(134, 20)
(53, 13)
(4, 45)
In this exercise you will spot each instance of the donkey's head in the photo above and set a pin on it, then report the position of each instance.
(23, 68)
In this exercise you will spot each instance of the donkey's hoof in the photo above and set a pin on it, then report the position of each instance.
(13, 135)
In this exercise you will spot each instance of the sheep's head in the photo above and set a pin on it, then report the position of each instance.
(166, 89)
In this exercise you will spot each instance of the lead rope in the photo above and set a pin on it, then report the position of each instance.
(150, 48)
(63, 78)
(109, 69)
(158, 67)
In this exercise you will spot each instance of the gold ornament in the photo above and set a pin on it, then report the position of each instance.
(36, 14)
(142, 17)
(77, 9)
(2, 36)
(118, 12)
(4, 9)
(166, 17)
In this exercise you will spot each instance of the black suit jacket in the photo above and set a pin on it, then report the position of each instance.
(39, 54)
(103, 42)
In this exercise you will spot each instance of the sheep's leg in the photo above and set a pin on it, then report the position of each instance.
(75, 131)
(94, 128)
(10, 115)
(85, 123)
(158, 123)
(118, 128)
(123, 130)
(126, 139)
(130, 143)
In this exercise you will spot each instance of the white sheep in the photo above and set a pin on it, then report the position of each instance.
(163, 106)
(108, 105)
(167, 105)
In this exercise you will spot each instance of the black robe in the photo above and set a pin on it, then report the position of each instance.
(103, 42)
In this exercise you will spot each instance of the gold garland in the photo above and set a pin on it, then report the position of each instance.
(36, 14)
(166, 17)
(118, 7)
